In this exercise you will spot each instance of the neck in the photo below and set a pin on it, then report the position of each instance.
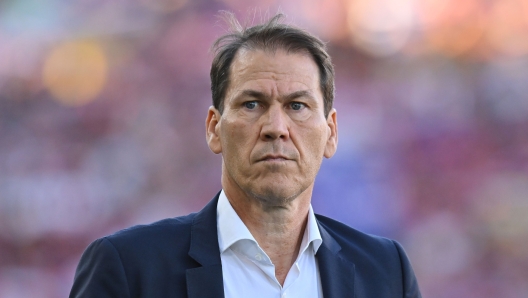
(278, 230)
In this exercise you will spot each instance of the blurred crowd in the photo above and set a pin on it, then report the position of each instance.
(103, 104)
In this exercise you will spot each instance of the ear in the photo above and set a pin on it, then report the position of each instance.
(331, 142)
(212, 129)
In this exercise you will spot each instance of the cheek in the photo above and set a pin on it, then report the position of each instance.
(314, 133)
(313, 145)
(237, 138)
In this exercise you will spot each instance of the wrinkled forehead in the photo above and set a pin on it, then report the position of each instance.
(271, 50)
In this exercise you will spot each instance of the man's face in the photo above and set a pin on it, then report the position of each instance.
(273, 133)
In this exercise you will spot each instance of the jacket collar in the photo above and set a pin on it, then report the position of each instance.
(205, 281)
(337, 273)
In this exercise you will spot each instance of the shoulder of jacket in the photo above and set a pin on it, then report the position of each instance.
(345, 234)
(163, 228)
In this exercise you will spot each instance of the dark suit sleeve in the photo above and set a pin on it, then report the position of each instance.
(100, 272)
(410, 284)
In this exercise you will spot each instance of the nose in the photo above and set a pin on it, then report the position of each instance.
(275, 124)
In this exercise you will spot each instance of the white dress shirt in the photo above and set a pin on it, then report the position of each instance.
(248, 271)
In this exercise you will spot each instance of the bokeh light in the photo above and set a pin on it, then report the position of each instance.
(380, 27)
(452, 27)
(508, 27)
(75, 72)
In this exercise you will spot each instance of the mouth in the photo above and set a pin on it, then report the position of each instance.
(274, 158)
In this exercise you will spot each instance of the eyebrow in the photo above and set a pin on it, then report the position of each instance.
(291, 96)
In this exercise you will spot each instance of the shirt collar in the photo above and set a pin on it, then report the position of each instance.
(231, 229)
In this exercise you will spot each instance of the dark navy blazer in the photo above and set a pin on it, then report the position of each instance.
(180, 257)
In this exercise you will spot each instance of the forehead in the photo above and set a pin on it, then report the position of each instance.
(275, 71)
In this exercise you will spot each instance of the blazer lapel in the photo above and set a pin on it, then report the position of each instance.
(205, 281)
(337, 274)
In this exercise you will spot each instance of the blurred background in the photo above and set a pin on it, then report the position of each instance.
(103, 103)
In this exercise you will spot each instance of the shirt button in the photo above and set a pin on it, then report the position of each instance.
(258, 257)
(283, 295)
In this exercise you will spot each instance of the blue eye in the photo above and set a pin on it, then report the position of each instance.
(296, 106)
(250, 105)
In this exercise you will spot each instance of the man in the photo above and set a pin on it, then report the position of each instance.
(273, 122)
